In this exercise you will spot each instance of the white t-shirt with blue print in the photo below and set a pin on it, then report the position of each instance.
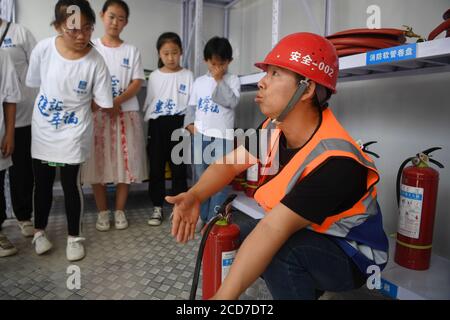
(168, 93)
(61, 126)
(10, 93)
(212, 105)
(19, 43)
(125, 65)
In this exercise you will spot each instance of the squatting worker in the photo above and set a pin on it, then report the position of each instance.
(323, 227)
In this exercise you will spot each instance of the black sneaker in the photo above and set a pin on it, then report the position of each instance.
(156, 217)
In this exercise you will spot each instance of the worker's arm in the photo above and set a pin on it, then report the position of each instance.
(187, 205)
(258, 249)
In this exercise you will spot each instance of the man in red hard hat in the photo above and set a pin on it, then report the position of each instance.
(323, 227)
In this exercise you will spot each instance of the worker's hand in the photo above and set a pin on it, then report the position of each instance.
(184, 216)
(7, 145)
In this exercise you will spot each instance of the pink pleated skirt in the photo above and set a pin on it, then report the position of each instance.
(118, 153)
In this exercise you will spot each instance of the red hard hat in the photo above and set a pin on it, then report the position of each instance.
(307, 54)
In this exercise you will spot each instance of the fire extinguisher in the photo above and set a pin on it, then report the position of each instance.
(218, 248)
(252, 180)
(417, 189)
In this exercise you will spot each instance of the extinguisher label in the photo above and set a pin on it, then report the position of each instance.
(227, 261)
(411, 200)
(252, 173)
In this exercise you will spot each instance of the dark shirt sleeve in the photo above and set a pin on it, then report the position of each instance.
(332, 188)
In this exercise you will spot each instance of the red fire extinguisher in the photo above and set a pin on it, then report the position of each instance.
(417, 188)
(218, 248)
(252, 180)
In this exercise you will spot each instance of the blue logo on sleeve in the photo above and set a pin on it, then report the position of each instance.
(82, 88)
(82, 85)
(8, 43)
(126, 63)
(182, 89)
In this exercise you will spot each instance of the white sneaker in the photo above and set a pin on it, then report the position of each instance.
(27, 228)
(6, 247)
(103, 221)
(156, 217)
(75, 249)
(41, 242)
(120, 220)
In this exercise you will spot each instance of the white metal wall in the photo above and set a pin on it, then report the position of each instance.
(148, 19)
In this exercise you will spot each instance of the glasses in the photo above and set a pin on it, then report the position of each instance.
(87, 30)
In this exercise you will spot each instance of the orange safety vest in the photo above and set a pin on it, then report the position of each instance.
(330, 140)
(358, 230)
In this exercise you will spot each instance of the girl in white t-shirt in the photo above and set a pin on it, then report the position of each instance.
(118, 151)
(10, 95)
(19, 43)
(70, 75)
(168, 92)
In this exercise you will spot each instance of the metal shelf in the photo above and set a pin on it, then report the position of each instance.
(247, 205)
(404, 284)
(430, 57)
(396, 282)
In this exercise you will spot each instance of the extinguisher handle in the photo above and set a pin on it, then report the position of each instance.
(364, 149)
(428, 151)
(440, 165)
(372, 153)
(223, 207)
(368, 144)
(399, 176)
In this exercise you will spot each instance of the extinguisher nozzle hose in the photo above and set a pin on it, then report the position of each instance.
(399, 177)
(198, 262)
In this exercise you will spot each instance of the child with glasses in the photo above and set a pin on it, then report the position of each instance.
(71, 77)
